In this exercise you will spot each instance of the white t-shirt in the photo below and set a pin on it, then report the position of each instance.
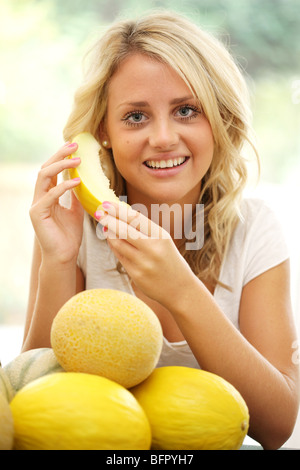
(257, 245)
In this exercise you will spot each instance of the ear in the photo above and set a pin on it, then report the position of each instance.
(104, 138)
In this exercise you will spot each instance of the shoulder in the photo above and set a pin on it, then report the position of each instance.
(257, 245)
(254, 209)
(259, 238)
(258, 219)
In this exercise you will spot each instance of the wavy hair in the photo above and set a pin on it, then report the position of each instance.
(214, 78)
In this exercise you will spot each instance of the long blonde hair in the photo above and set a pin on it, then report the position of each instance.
(209, 70)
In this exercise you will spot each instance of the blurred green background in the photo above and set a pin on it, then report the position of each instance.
(42, 43)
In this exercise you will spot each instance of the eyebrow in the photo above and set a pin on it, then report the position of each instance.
(144, 104)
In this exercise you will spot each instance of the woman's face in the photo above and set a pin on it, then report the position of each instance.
(162, 143)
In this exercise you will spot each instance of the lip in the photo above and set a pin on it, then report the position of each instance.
(166, 172)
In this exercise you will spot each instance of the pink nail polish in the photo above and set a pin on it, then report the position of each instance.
(98, 214)
(106, 204)
(72, 145)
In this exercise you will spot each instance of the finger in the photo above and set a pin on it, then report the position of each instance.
(65, 151)
(123, 250)
(121, 211)
(55, 168)
(53, 195)
(75, 204)
(133, 218)
(119, 229)
(47, 176)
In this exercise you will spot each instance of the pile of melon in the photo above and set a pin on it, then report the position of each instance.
(98, 387)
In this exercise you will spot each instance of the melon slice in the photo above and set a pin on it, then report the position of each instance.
(94, 187)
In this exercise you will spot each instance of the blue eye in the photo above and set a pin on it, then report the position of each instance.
(134, 118)
(188, 111)
(185, 111)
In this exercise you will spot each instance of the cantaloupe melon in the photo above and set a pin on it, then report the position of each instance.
(191, 409)
(73, 411)
(31, 365)
(94, 187)
(6, 388)
(6, 425)
(108, 333)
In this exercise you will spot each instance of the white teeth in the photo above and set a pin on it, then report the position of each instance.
(165, 163)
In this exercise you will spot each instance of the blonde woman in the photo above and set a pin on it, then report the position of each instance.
(169, 107)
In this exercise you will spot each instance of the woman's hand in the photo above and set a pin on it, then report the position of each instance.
(58, 229)
(147, 253)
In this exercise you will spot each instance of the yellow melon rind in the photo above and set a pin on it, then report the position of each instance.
(94, 187)
(73, 411)
(6, 425)
(192, 409)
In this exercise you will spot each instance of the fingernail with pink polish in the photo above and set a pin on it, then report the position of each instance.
(106, 204)
(76, 180)
(98, 214)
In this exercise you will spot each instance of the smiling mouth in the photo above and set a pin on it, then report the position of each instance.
(162, 164)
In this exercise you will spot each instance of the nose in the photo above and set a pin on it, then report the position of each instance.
(163, 134)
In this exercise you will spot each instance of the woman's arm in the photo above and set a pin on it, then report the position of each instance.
(257, 360)
(58, 233)
(266, 321)
(51, 285)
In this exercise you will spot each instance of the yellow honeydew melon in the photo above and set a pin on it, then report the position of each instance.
(6, 388)
(94, 187)
(31, 365)
(108, 333)
(191, 409)
(6, 425)
(74, 411)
